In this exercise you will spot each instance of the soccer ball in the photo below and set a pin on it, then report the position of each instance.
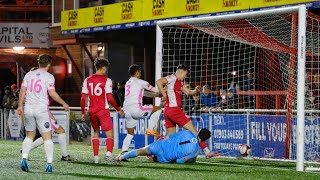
(244, 150)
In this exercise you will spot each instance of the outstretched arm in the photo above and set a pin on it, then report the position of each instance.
(189, 158)
(190, 92)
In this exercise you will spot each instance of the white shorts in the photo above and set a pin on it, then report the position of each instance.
(134, 113)
(37, 118)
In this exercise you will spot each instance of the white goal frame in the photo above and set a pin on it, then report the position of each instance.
(301, 58)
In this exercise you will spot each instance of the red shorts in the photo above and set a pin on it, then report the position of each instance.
(173, 116)
(101, 118)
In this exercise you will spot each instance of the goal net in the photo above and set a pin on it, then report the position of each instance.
(247, 66)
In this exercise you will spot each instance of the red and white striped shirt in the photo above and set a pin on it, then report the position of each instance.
(97, 87)
(174, 92)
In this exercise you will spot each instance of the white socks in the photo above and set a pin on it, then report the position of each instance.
(127, 142)
(108, 153)
(63, 144)
(48, 147)
(37, 143)
(96, 159)
(206, 150)
(26, 147)
(154, 119)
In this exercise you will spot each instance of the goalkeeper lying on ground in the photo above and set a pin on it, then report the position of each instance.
(179, 147)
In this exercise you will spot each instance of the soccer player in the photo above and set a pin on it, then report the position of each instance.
(61, 138)
(34, 92)
(133, 108)
(99, 89)
(173, 113)
(180, 147)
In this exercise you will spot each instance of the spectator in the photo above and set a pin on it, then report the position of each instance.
(208, 98)
(1, 98)
(229, 99)
(15, 96)
(248, 85)
(316, 91)
(196, 103)
(7, 97)
(115, 92)
(120, 93)
(309, 101)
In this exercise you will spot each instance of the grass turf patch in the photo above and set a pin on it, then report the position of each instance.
(138, 168)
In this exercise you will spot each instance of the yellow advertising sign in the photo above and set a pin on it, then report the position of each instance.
(102, 15)
(144, 10)
(192, 7)
(267, 3)
(125, 12)
(158, 9)
(230, 5)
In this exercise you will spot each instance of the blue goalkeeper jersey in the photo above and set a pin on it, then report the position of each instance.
(179, 147)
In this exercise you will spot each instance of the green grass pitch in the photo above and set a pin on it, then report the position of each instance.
(139, 168)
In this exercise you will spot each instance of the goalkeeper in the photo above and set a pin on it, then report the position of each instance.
(179, 147)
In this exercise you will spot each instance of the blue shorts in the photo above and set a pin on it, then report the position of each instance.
(156, 149)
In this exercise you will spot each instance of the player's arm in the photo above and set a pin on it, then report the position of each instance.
(160, 83)
(190, 92)
(83, 104)
(22, 95)
(114, 104)
(54, 95)
(83, 98)
(150, 90)
(149, 87)
(110, 98)
(189, 158)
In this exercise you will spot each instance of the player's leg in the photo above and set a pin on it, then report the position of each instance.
(154, 120)
(63, 144)
(189, 126)
(170, 130)
(30, 127)
(127, 139)
(183, 121)
(134, 153)
(169, 123)
(26, 147)
(107, 127)
(95, 138)
(38, 141)
(61, 138)
(44, 127)
(130, 124)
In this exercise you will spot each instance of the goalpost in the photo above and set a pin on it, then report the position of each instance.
(252, 67)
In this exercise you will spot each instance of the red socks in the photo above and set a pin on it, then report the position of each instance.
(203, 145)
(95, 146)
(109, 143)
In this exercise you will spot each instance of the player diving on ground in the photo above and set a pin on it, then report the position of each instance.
(180, 147)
